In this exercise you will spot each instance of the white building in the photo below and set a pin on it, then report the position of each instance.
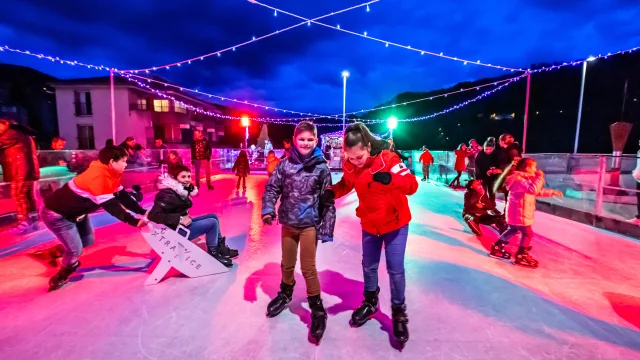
(84, 114)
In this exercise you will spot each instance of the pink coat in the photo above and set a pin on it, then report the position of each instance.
(521, 204)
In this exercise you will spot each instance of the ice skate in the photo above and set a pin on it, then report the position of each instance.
(400, 321)
(523, 258)
(62, 277)
(226, 251)
(366, 311)
(498, 251)
(24, 227)
(318, 317)
(280, 302)
(221, 258)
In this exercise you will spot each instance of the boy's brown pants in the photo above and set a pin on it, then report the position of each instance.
(308, 245)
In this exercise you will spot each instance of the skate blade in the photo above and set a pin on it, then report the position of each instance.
(278, 313)
(500, 258)
(525, 266)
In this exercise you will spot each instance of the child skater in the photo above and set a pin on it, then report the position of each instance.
(523, 185)
(171, 208)
(382, 183)
(426, 159)
(480, 209)
(460, 165)
(241, 168)
(272, 162)
(301, 179)
(66, 210)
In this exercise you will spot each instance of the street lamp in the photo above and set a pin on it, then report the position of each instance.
(345, 75)
(584, 75)
(392, 124)
(245, 123)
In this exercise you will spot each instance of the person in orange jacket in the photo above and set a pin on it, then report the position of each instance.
(272, 162)
(382, 183)
(426, 159)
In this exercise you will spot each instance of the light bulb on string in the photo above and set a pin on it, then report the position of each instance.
(367, 8)
(275, 12)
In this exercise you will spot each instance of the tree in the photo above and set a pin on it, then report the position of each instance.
(264, 136)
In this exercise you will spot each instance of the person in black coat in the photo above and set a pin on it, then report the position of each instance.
(171, 208)
(487, 167)
(480, 209)
(20, 167)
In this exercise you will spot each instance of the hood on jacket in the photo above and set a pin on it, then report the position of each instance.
(313, 158)
(517, 176)
(165, 181)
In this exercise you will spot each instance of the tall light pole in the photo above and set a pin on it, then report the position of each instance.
(584, 75)
(345, 75)
(392, 124)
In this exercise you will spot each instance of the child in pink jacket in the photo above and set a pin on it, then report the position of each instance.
(523, 185)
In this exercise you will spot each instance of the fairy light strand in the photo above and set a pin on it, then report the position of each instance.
(253, 39)
(55, 59)
(386, 42)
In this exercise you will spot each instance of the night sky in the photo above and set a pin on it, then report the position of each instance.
(300, 69)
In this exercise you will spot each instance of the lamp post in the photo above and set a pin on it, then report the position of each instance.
(245, 123)
(345, 75)
(392, 124)
(584, 75)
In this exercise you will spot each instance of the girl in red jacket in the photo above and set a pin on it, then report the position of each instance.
(460, 165)
(382, 183)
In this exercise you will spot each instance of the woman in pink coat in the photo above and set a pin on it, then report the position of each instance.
(523, 185)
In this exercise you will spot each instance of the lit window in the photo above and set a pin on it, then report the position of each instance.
(142, 104)
(181, 108)
(161, 105)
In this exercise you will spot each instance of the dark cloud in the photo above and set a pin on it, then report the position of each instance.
(300, 69)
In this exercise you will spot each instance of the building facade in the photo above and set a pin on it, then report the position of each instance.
(84, 114)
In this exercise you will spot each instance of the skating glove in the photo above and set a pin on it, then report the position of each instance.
(382, 177)
(328, 197)
(267, 220)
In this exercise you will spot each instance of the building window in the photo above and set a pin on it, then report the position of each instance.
(86, 141)
(161, 105)
(181, 108)
(82, 101)
(142, 104)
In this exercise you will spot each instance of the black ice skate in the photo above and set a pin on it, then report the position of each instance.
(400, 320)
(221, 258)
(62, 277)
(281, 301)
(225, 250)
(318, 317)
(366, 311)
(523, 258)
(498, 251)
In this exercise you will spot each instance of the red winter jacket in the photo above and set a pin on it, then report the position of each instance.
(382, 208)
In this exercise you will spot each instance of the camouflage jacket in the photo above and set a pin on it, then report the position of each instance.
(301, 183)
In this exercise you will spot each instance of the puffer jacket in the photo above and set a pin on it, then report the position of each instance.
(18, 155)
(382, 208)
(241, 167)
(301, 181)
(172, 201)
(521, 203)
(476, 203)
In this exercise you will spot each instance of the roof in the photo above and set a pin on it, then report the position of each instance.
(122, 81)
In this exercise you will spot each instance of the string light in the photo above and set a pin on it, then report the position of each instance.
(315, 116)
(55, 59)
(383, 41)
(254, 39)
(589, 59)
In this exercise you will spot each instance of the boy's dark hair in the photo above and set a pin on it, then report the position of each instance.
(115, 153)
(175, 170)
(271, 152)
(305, 126)
(129, 138)
(109, 143)
(359, 134)
(470, 184)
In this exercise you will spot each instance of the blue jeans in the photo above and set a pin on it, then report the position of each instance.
(395, 243)
(74, 236)
(527, 234)
(208, 225)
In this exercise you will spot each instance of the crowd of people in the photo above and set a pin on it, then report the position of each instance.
(301, 182)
